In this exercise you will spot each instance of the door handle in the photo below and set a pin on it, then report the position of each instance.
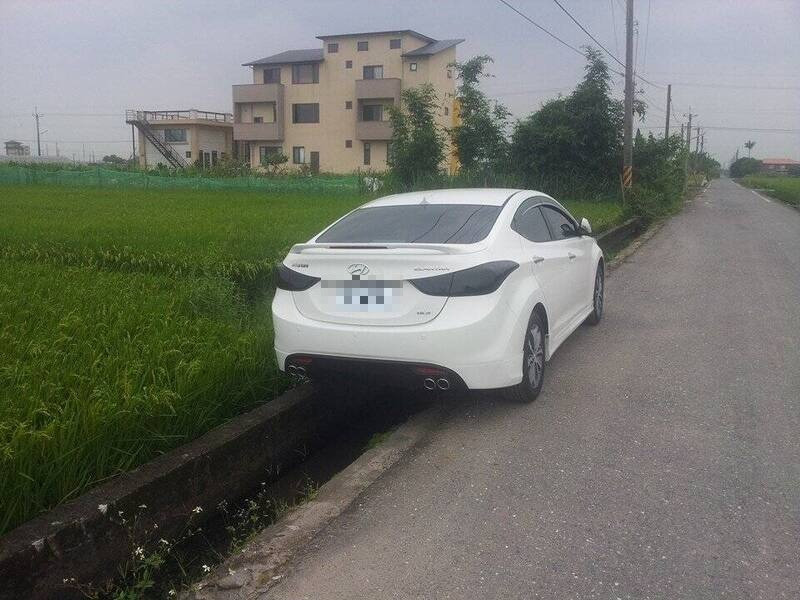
(571, 256)
(538, 259)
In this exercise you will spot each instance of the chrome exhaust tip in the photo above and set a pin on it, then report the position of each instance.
(429, 384)
(301, 371)
(443, 384)
(292, 370)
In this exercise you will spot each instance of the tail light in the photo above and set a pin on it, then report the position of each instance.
(475, 281)
(287, 279)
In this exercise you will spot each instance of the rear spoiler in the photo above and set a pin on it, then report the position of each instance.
(410, 248)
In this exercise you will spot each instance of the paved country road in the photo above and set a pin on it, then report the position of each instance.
(662, 459)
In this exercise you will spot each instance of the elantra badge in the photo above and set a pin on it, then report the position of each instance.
(358, 269)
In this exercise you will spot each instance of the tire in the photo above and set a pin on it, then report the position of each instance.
(598, 296)
(533, 363)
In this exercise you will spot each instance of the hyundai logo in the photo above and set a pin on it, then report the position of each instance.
(358, 269)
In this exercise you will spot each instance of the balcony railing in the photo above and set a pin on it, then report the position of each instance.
(269, 132)
(373, 89)
(258, 92)
(176, 115)
(373, 130)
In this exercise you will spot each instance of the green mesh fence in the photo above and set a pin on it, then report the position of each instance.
(100, 177)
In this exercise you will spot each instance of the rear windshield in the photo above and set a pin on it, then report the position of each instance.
(423, 223)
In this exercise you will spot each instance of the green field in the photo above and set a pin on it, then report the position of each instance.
(786, 188)
(134, 320)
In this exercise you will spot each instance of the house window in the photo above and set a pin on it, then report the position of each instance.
(305, 73)
(446, 111)
(394, 44)
(258, 119)
(373, 72)
(348, 104)
(333, 48)
(175, 135)
(363, 46)
(348, 64)
(449, 73)
(272, 75)
(367, 153)
(188, 154)
(247, 152)
(372, 112)
(298, 155)
(412, 66)
(305, 113)
(213, 157)
(348, 143)
(265, 151)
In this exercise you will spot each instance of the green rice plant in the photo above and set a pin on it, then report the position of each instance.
(786, 188)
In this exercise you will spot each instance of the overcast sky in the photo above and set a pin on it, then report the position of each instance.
(736, 62)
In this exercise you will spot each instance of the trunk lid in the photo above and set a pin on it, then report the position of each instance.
(367, 284)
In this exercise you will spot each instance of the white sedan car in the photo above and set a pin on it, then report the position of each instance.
(443, 289)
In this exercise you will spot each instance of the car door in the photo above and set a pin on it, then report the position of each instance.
(567, 237)
(546, 260)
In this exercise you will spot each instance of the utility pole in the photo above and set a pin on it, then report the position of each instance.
(682, 132)
(627, 153)
(669, 108)
(38, 131)
(702, 142)
(83, 148)
(697, 142)
(688, 141)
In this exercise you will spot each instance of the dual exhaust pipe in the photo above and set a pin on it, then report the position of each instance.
(441, 383)
(296, 371)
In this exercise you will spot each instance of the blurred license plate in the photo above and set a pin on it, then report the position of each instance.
(363, 295)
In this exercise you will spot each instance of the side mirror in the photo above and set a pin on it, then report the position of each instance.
(585, 225)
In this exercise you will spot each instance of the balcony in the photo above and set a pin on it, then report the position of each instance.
(258, 92)
(373, 130)
(374, 89)
(270, 132)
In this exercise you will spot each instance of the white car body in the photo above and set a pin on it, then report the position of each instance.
(477, 339)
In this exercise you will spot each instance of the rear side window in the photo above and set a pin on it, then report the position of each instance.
(530, 224)
(561, 226)
(423, 223)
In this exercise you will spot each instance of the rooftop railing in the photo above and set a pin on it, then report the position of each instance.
(175, 115)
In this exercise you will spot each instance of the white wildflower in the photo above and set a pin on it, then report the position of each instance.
(139, 552)
(171, 593)
(163, 541)
(206, 569)
(103, 508)
(143, 506)
(197, 510)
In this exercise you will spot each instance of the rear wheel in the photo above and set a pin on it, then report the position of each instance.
(598, 298)
(533, 363)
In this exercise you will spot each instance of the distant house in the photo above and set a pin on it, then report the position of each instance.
(15, 148)
(179, 138)
(778, 165)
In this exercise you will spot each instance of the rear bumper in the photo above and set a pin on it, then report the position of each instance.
(477, 339)
(365, 370)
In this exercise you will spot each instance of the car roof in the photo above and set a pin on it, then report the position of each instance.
(485, 196)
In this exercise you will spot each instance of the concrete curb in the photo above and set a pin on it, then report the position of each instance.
(263, 562)
(83, 539)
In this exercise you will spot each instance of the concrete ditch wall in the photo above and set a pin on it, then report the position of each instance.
(83, 539)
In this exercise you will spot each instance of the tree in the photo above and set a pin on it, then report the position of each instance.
(273, 161)
(417, 144)
(745, 166)
(749, 144)
(479, 139)
(113, 159)
(577, 134)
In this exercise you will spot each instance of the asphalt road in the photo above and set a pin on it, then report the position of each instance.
(662, 459)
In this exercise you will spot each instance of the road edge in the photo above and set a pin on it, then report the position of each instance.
(263, 562)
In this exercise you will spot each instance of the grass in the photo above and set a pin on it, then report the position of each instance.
(786, 187)
(135, 320)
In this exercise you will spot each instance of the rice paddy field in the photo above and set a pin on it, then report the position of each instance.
(786, 188)
(134, 320)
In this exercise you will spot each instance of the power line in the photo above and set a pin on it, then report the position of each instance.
(735, 86)
(646, 33)
(534, 23)
(586, 31)
(81, 141)
(614, 23)
(596, 41)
